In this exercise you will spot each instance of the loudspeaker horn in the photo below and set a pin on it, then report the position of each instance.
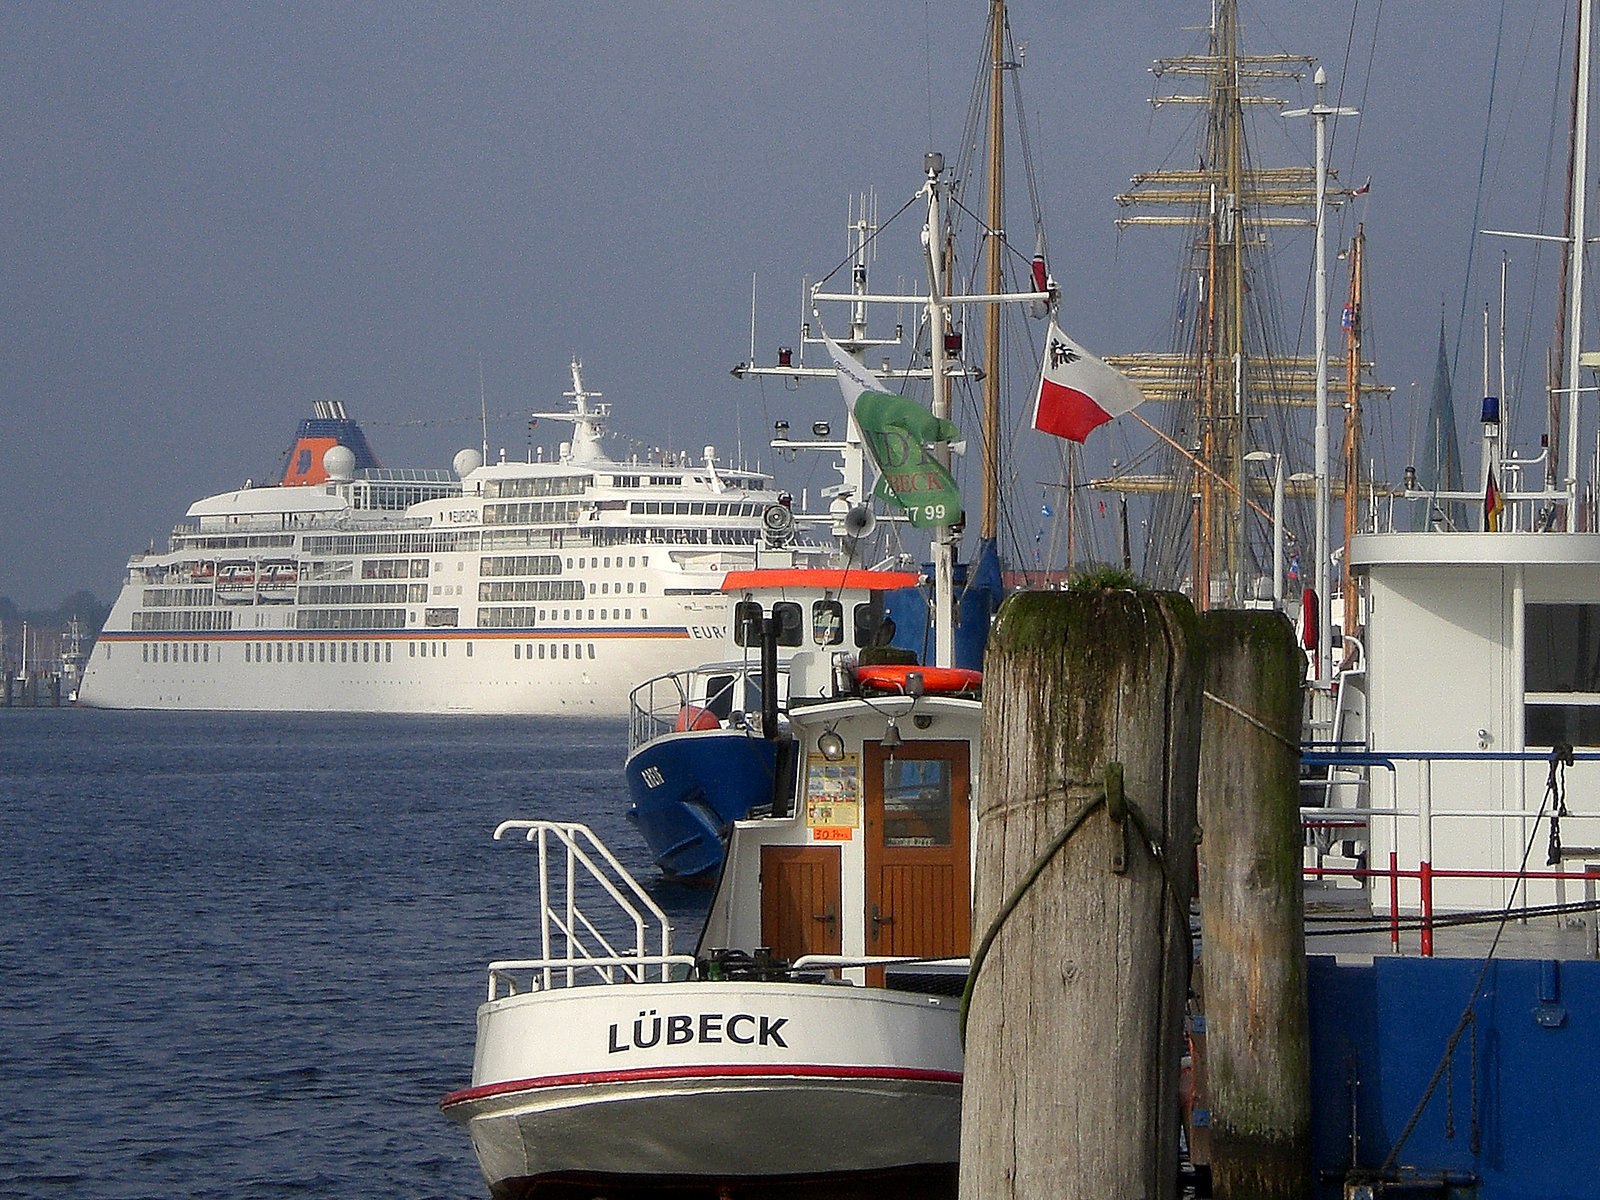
(859, 522)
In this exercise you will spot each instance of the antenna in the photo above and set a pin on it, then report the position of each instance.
(483, 410)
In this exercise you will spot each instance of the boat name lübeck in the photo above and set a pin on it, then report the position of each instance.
(682, 1029)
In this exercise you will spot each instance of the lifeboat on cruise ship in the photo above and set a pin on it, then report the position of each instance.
(236, 581)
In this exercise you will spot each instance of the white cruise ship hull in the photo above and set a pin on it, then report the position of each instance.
(588, 672)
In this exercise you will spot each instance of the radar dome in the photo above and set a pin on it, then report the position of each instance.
(339, 462)
(466, 462)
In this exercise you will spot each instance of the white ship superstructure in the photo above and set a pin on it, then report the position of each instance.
(512, 587)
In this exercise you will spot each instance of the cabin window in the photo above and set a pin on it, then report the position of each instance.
(516, 651)
(916, 802)
(872, 626)
(1562, 673)
(591, 651)
(827, 622)
(146, 650)
(388, 652)
(791, 626)
(747, 623)
(719, 695)
(469, 649)
(541, 649)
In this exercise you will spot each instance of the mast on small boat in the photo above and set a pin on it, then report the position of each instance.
(990, 516)
(935, 245)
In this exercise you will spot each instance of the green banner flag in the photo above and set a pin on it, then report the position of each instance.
(896, 431)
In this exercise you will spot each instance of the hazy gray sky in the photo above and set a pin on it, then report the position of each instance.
(214, 213)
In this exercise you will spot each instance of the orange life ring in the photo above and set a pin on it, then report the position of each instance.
(935, 680)
(692, 716)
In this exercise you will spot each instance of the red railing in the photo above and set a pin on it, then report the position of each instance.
(1425, 873)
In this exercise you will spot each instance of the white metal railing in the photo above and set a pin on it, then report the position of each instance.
(728, 691)
(573, 941)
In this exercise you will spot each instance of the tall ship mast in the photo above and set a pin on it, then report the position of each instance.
(1234, 401)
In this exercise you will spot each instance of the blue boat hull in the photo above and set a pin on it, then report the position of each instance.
(1511, 1119)
(687, 789)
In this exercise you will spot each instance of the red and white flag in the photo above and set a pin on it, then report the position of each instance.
(1077, 391)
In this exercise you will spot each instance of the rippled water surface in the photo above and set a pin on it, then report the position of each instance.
(240, 955)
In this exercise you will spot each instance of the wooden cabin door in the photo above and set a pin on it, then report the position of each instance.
(800, 900)
(918, 855)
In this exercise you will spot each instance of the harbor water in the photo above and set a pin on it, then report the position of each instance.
(242, 953)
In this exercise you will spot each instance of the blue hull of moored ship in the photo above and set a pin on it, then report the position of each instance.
(1503, 1121)
(687, 789)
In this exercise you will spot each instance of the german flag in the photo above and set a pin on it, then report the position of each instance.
(1493, 505)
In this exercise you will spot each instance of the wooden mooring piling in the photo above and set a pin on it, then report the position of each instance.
(1073, 1033)
(1096, 708)
(1252, 905)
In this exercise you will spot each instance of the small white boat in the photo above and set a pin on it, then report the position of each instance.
(811, 1038)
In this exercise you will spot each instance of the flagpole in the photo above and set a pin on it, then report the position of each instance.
(1319, 113)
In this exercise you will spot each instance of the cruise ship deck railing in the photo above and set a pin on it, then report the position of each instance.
(1332, 817)
(584, 892)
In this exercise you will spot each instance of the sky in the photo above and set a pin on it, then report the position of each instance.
(213, 214)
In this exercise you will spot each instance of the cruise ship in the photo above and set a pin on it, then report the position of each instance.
(540, 587)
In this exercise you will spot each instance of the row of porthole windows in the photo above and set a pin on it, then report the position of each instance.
(605, 561)
(605, 589)
(433, 649)
(569, 650)
(343, 652)
(570, 614)
(182, 652)
(319, 652)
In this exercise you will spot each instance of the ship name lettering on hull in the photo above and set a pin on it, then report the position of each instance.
(651, 1029)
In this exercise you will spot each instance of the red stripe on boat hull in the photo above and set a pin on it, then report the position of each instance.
(594, 1077)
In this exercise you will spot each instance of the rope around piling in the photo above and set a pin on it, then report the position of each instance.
(1096, 799)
